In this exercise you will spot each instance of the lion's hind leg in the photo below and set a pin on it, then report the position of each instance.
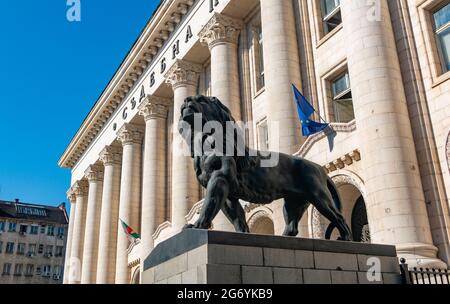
(293, 210)
(323, 202)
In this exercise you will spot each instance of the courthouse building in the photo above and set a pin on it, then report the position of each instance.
(378, 71)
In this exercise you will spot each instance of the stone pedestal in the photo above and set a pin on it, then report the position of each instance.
(215, 257)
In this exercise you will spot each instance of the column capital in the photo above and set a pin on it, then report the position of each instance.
(130, 134)
(111, 155)
(94, 173)
(183, 73)
(220, 29)
(80, 188)
(154, 107)
(71, 196)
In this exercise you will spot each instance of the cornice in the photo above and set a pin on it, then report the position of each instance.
(334, 127)
(159, 29)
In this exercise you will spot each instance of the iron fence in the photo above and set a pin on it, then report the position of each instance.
(420, 275)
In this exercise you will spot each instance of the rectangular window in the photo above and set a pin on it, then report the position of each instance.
(51, 230)
(9, 247)
(57, 272)
(442, 28)
(43, 229)
(34, 229)
(342, 99)
(263, 136)
(18, 269)
(31, 250)
(331, 15)
(6, 269)
(59, 251)
(23, 229)
(41, 249)
(49, 250)
(258, 57)
(260, 61)
(21, 248)
(2, 226)
(1, 246)
(47, 270)
(29, 270)
(61, 231)
(38, 270)
(12, 227)
(204, 86)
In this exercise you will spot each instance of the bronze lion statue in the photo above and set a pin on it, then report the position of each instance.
(229, 177)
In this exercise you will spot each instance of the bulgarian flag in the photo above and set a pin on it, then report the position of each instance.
(131, 234)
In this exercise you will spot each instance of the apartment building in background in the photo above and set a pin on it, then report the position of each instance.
(32, 243)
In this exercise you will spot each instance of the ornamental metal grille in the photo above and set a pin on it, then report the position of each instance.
(360, 224)
(424, 276)
(31, 210)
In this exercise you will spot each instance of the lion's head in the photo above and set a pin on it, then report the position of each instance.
(212, 110)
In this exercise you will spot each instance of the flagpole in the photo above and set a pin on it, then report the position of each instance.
(323, 120)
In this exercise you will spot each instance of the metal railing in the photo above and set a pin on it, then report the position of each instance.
(419, 276)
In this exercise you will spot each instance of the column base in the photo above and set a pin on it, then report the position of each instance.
(420, 255)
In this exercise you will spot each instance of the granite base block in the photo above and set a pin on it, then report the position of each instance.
(216, 257)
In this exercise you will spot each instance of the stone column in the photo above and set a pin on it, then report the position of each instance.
(221, 35)
(281, 69)
(80, 189)
(94, 175)
(183, 76)
(72, 198)
(395, 203)
(154, 110)
(130, 194)
(109, 217)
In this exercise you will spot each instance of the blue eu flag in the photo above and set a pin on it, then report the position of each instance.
(305, 110)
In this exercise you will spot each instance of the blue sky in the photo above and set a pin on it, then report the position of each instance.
(51, 73)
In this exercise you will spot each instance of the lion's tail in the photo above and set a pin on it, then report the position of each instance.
(337, 203)
(334, 193)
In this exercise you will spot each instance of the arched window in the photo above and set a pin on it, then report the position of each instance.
(360, 224)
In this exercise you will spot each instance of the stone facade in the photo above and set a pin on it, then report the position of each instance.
(373, 69)
(32, 243)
